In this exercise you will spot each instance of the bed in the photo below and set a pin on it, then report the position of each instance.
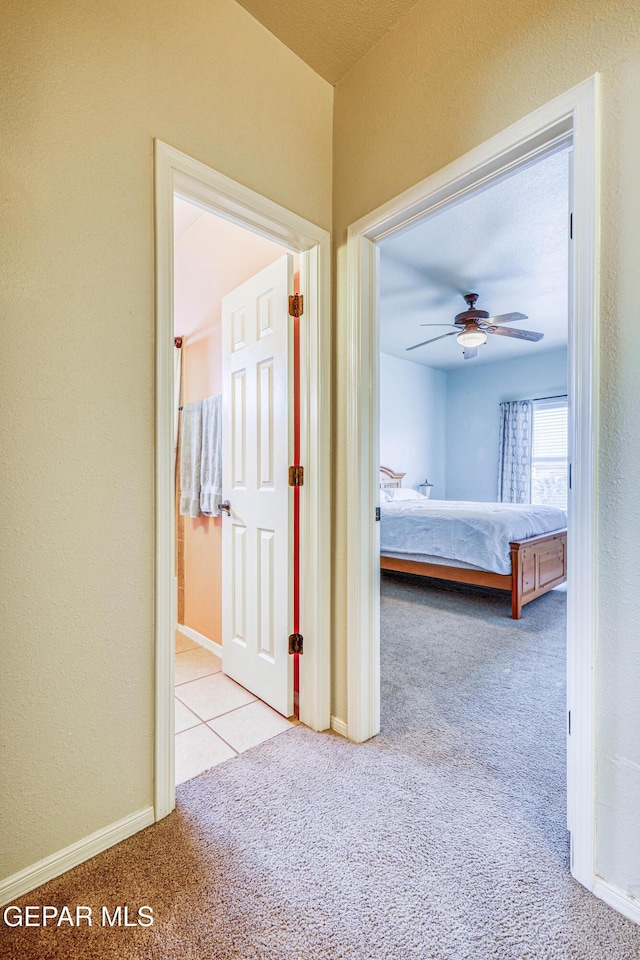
(521, 548)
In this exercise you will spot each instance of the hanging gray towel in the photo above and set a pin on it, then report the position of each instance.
(211, 462)
(190, 459)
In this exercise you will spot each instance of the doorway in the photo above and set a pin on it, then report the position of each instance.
(234, 683)
(480, 687)
(240, 208)
(570, 119)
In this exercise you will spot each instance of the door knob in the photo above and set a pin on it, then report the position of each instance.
(225, 507)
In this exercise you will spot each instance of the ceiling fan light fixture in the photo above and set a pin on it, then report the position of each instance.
(472, 326)
(471, 338)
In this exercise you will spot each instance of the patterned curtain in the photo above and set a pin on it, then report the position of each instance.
(516, 432)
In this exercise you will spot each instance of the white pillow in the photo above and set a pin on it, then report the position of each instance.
(404, 493)
(385, 495)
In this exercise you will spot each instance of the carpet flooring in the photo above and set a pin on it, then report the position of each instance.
(442, 839)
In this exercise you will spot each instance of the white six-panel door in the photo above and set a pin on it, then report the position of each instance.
(256, 569)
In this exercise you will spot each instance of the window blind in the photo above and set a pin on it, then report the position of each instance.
(550, 453)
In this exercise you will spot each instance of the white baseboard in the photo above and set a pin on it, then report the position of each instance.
(623, 902)
(52, 866)
(200, 638)
(339, 726)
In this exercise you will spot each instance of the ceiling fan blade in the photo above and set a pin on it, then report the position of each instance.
(518, 334)
(424, 342)
(506, 318)
(438, 325)
(469, 353)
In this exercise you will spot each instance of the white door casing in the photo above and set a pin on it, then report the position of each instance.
(256, 571)
(572, 785)
(572, 117)
(177, 173)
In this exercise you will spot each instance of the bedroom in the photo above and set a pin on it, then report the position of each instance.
(469, 434)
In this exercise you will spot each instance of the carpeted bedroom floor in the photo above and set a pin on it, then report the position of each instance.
(443, 838)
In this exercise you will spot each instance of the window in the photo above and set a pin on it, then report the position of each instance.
(550, 453)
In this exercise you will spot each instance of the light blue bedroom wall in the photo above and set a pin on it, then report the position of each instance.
(413, 421)
(473, 416)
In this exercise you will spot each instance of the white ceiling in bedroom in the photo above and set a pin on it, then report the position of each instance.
(508, 243)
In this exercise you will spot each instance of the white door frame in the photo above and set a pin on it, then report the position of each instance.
(176, 172)
(573, 116)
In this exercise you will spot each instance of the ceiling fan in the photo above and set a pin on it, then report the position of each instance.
(472, 326)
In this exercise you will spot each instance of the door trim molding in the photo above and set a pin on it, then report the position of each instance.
(574, 115)
(617, 898)
(175, 172)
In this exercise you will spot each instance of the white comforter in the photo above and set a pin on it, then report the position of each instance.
(459, 530)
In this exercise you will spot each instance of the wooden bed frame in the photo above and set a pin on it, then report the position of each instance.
(537, 564)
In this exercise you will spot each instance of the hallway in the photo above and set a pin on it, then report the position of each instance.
(438, 840)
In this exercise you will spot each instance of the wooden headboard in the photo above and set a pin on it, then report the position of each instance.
(388, 478)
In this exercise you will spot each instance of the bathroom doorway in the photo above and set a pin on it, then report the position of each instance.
(228, 697)
(213, 236)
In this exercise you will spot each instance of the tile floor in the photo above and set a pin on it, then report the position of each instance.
(216, 718)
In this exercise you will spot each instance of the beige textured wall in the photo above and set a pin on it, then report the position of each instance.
(87, 87)
(451, 74)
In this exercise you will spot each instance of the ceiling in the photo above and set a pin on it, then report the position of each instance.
(330, 35)
(185, 215)
(211, 256)
(508, 243)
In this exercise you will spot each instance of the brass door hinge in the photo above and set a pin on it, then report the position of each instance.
(296, 476)
(296, 305)
(296, 643)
